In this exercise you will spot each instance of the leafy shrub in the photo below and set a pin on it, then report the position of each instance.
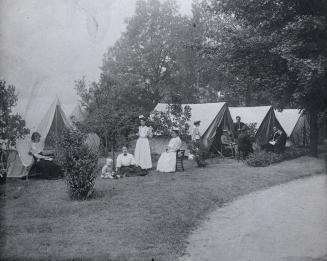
(174, 116)
(200, 153)
(263, 158)
(252, 130)
(79, 163)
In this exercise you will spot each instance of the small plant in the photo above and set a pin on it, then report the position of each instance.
(79, 163)
(200, 153)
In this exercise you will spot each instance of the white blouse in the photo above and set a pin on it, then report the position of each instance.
(174, 144)
(125, 160)
(144, 131)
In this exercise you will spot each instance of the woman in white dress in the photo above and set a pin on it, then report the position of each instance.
(142, 152)
(167, 160)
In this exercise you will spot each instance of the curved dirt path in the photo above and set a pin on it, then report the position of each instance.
(287, 222)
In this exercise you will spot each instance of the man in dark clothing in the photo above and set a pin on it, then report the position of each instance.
(277, 141)
(244, 143)
(239, 126)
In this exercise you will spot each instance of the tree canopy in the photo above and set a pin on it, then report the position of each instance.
(12, 126)
(246, 53)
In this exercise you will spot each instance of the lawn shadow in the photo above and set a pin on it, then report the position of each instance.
(99, 194)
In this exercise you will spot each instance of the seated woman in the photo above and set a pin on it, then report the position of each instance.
(167, 160)
(42, 162)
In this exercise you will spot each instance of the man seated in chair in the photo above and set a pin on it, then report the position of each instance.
(227, 141)
(126, 165)
(277, 141)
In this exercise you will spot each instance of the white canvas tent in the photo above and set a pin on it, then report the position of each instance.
(296, 126)
(213, 116)
(263, 116)
(44, 115)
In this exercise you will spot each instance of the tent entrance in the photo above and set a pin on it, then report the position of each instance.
(56, 129)
(215, 147)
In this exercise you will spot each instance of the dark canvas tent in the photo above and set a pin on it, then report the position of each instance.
(213, 116)
(44, 115)
(263, 116)
(296, 125)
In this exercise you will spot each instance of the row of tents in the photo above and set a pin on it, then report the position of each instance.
(218, 116)
(49, 117)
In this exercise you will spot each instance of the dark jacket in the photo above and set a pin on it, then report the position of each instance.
(244, 142)
(238, 127)
(280, 139)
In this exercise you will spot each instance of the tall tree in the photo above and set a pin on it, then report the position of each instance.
(280, 45)
(12, 126)
(147, 59)
(108, 113)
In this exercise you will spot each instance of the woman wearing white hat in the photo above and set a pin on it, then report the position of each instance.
(167, 160)
(142, 153)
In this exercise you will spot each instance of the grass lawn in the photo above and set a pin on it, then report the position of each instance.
(137, 218)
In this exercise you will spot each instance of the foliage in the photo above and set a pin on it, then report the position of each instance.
(108, 115)
(174, 116)
(79, 163)
(252, 130)
(274, 47)
(150, 62)
(263, 158)
(199, 152)
(12, 126)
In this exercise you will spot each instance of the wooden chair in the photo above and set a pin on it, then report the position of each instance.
(179, 160)
(225, 148)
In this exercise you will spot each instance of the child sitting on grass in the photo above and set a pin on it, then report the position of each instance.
(107, 172)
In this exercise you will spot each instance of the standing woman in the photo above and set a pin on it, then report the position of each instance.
(196, 134)
(142, 153)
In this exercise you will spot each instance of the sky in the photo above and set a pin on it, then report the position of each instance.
(46, 45)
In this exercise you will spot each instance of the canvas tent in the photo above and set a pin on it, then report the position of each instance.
(75, 112)
(263, 116)
(44, 115)
(296, 126)
(213, 116)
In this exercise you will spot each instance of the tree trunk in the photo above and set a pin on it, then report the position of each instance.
(113, 154)
(313, 134)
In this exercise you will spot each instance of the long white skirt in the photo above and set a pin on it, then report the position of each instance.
(167, 162)
(142, 153)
